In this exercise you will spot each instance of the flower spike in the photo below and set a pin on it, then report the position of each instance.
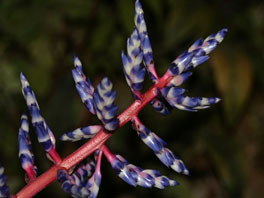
(174, 97)
(156, 144)
(133, 71)
(44, 134)
(104, 104)
(81, 133)
(119, 167)
(145, 42)
(4, 189)
(25, 149)
(83, 85)
(196, 54)
(134, 175)
(81, 178)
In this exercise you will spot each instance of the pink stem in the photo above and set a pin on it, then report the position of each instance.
(110, 156)
(98, 163)
(31, 173)
(55, 156)
(88, 148)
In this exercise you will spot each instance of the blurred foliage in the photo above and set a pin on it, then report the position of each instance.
(223, 146)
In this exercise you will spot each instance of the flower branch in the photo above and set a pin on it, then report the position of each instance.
(80, 172)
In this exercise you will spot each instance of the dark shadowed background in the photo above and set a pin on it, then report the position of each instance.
(223, 146)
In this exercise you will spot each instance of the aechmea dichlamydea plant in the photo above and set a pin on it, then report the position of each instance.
(81, 177)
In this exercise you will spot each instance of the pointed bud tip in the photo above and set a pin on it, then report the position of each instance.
(186, 172)
(23, 80)
(76, 61)
(217, 100)
(224, 30)
(22, 76)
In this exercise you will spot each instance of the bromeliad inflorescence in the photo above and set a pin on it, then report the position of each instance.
(81, 176)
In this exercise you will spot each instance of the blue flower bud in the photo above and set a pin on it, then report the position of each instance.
(104, 104)
(83, 85)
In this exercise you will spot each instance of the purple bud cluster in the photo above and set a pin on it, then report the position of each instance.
(44, 134)
(134, 72)
(197, 53)
(83, 85)
(104, 104)
(99, 101)
(145, 42)
(84, 181)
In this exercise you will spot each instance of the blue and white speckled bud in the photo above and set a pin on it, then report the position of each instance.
(77, 185)
(83, 85)
(145, 42)
(160, 181)
(93, 184)
(67, 184)
(180, 63)
(133, 71)
(25, 148)
(156, 144)
(121, 170)
(174, 97)
(104, 104)
(4, 189)
(147, 178)
(197, 53)
(44, 134)
(81, 133)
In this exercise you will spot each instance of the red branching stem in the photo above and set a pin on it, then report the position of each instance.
(109, 156)
(88, 148)
(55, 156)
(98, 163)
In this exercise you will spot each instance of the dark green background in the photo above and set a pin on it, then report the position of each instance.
(222, 146)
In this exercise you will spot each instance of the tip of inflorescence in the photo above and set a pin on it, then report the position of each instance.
(23, 79)
(22, 76)
(223, 31)
(217, 100)
(76, 61)
(186, 172)
(138, 6)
